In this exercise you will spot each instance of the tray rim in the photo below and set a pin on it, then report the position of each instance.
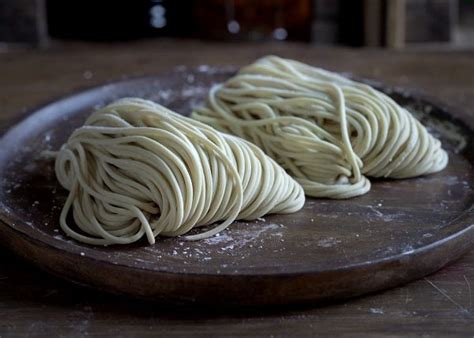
(465, 234)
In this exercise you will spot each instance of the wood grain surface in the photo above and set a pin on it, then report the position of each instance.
(34, 303)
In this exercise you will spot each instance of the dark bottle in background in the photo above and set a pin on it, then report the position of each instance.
(23, 23)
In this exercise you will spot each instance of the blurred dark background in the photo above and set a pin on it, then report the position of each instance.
(357, 23)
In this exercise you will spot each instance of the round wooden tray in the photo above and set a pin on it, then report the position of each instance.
(401, 230)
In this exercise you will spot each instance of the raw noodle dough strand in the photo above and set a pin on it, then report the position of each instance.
(327, 131)
(137, 169)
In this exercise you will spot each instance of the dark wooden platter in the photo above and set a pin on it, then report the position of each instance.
(401, 230)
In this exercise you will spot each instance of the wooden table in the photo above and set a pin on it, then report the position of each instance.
(33, 303)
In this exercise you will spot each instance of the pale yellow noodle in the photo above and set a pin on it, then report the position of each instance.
(327, 131)
(137, 169)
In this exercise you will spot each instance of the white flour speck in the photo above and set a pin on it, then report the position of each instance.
(87, 75)
(328, 242)
(376, 311)
(190, 78)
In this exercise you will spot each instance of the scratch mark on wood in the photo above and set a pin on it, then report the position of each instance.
(462, 308)
(345, 254)
(470, 291)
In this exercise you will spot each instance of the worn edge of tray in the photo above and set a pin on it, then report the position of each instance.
(365, 277)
